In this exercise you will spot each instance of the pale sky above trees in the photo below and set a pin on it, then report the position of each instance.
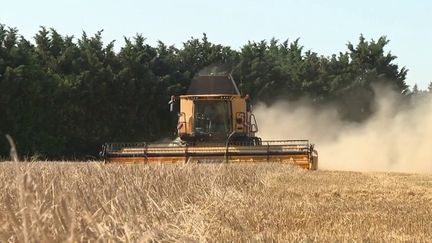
(323, 26)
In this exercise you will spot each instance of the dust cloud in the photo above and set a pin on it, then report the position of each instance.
(395, 138)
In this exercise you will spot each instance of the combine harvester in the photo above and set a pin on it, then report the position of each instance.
(215, 125)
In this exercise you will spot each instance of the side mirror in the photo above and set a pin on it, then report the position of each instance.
(171, 103)
(254, 128)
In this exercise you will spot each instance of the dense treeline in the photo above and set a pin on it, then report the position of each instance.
(65, 96)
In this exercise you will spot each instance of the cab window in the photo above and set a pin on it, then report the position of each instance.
(212, 116)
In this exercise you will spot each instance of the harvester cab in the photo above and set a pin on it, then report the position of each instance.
(209, 115)
(215, 124)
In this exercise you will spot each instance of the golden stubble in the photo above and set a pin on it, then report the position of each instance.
(88, 202)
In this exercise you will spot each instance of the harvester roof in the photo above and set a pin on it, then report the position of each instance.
(212, 84)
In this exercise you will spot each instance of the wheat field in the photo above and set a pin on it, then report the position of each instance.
(82, 202)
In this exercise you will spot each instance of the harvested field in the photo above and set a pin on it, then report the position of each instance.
(45, 202)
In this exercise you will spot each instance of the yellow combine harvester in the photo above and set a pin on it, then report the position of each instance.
(215, 125)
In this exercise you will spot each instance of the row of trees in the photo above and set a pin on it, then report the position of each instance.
(62, 96)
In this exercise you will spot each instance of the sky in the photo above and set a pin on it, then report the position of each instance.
(324, 27)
